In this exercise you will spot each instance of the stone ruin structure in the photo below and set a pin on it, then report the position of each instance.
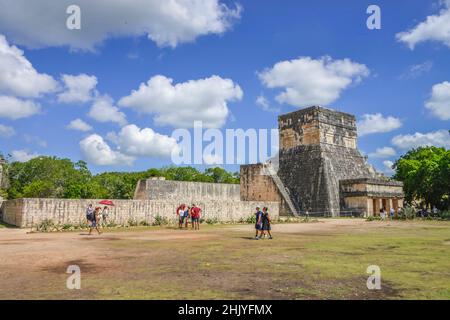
(321, 171)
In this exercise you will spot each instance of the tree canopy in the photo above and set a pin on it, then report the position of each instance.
(425, 173)
(51, 177)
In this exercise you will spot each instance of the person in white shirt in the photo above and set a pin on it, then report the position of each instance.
(105, 213)
(392, 212)
(180, 213)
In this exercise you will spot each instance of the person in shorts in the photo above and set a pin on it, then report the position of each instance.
(195, 216)
(258, 223)
(94, 221)
(89, 213)
(180, 213)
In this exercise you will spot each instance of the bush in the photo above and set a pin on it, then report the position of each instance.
(67, 226)
(46, 225)
(409, 213)
(132, 222)
(251, 219)
(373, 218)
(444, 215)
(159, 221)
(144, 223)
(82, 225)
(212, 220)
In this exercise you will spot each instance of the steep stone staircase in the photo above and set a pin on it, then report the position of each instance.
(270, 170)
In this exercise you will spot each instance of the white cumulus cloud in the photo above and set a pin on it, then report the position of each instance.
(384, 152)
(79, 125)
(104, 110)
(134, 141)
(77, 88)
(439, 103)
(377, 123)
(14, 108)
(42, 23)
(22, 156)
(434, 28)
(96, 151)
(6, 131)
(306, 81)
(18, 76)
(439, 138)
(181, 104)
(388, 166)
(264, 104)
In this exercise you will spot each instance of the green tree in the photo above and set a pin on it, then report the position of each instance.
(425, 173)
(51, 177)
(184, 174)
(220, 175)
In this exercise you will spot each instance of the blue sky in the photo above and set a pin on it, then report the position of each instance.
(388, 77)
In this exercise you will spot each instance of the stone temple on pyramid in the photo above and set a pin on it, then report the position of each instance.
(321, 171)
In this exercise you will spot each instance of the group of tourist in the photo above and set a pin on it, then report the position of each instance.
(392, 213)
(262, 224)
(96, 217)
(186, 213)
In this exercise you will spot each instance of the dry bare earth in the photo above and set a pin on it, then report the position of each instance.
(323, 260)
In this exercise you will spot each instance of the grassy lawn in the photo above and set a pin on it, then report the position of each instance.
(414, 262)
(222, 262)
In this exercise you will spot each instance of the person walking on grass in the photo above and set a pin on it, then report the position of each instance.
(195, 216)
(95, 220)
(258, 222)
(89, 213)
(266, 223)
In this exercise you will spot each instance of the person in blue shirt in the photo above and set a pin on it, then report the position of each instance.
(258, 224)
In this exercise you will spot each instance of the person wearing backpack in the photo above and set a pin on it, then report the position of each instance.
(89, 213)
(94, 222)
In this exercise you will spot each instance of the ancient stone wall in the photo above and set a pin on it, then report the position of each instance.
(255, 186)
(187, 192)
(28, 212)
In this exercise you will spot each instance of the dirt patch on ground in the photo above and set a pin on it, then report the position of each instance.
(62, 267)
